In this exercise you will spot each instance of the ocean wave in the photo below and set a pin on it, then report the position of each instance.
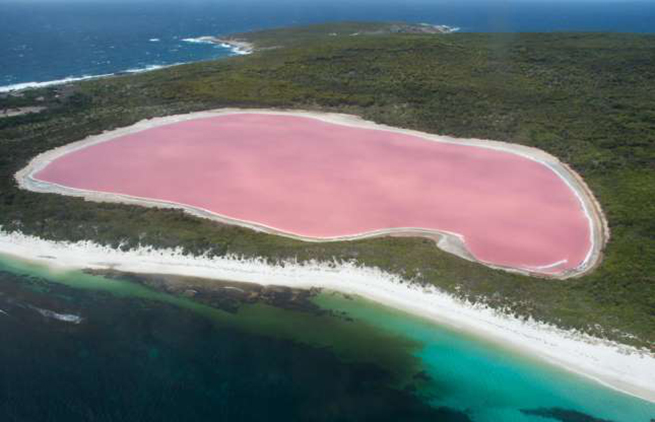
(147, 68)
(74, 319)
(25, 85)
(236, 50)
(154, 40)
(208, 39)
(200, 40)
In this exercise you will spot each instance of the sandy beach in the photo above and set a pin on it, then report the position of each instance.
(618, 366)
(447, 240)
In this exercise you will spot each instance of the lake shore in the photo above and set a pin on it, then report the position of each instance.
(451, 242)
(617, 366)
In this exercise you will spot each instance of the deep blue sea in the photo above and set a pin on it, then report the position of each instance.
(50, 40)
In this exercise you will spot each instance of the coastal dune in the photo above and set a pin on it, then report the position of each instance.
(332, 177)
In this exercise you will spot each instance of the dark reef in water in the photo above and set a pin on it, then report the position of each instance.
(140, 359)
(224, 295)
(563, 415)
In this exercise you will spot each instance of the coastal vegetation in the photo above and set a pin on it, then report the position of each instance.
(585, 98)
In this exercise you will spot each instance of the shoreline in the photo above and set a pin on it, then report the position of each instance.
(447, 241)
(620, 367)
(236, 48)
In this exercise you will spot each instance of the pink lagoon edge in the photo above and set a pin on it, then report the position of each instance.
(320, 179)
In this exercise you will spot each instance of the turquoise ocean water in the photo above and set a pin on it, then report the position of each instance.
(128, 351)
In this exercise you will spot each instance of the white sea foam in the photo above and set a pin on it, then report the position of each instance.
(446, 29)
(150, 67)
(74, 319)
(25, 85)
(236, 50)
(199, 40)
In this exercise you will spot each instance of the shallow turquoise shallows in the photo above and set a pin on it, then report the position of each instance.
(495, 383)
(144, 351)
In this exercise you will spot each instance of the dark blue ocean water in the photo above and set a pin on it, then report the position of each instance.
(47, 40)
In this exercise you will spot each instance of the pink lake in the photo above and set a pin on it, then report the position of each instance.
(312, 178)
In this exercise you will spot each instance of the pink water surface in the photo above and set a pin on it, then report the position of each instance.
(308, 177)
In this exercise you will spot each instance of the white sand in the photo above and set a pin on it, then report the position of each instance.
(449, 242)
(618, 366)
